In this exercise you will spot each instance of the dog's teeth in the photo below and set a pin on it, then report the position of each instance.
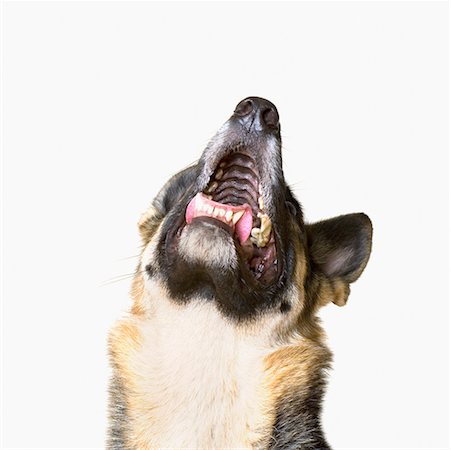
(222, 164)
(256, 237)
(215, 212)
(265, 222)
(210, 209)
(219, 174)
(229, 215)
(260, 236)
(221, 212)
(265, 237)
(237, 216)
(261, 243)
(260, 203)
(255, 232)
(212, 187)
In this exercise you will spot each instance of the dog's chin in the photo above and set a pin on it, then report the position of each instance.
(208, 242)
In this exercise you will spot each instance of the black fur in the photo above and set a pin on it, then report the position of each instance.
(238, 294)
(348, 235)
(297, 425)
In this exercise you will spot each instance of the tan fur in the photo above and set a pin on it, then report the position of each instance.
(137, 294)
(334, 290)
(125, 341)
(149, 223)
(293, 366)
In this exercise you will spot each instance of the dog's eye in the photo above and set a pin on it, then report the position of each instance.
(291, 208)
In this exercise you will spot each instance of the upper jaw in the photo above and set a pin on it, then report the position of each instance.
(238, 192)
(239, 174)
(262, 147)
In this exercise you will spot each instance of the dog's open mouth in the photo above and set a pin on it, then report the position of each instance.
(233, 200)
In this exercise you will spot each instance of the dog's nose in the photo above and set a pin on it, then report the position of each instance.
(257, 114)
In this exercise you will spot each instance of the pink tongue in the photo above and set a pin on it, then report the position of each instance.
(198, 207)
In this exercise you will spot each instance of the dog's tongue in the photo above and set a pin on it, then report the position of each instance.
(238, 218)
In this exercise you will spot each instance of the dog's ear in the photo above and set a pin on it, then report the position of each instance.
(339, 250)
(168, 196)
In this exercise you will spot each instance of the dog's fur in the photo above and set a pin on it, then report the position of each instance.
(209, 357)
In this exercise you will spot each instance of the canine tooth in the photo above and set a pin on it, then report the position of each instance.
(255, 232)
(212, 187)
(260, 236)
(219, 174)
(264, 240)
(265, 222)
(261, 243)
(237, 216)
(222, 164)
(266, 232)
(260, 202)
(229, 215)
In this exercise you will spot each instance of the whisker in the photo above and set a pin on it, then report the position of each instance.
(129, 257)
(296, 185)
(119, 278)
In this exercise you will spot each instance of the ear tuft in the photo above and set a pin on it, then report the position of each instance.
(340, 247)
(341, 292)
(333, 290)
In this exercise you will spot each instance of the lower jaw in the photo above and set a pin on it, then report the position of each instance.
(258, 265)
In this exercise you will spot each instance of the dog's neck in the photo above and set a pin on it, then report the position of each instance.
(199, 379)
(203, 378)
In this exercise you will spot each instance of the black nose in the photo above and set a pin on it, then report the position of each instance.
(257, 114)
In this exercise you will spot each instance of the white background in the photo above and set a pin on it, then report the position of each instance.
(102, 102)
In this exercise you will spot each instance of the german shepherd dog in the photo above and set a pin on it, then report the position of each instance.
(222, 348)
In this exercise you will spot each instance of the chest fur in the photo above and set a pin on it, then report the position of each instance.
(197, 381)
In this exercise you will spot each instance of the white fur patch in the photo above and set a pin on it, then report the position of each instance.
(209, 245)
(200, 380)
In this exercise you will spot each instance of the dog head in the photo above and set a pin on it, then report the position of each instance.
(229, 230)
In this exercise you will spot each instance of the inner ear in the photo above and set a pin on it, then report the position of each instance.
(340, 247)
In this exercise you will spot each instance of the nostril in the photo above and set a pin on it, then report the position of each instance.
(257, 115)
(270, 117)
(244, 108)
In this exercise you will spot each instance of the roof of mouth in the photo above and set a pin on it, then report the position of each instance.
(235, 181)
